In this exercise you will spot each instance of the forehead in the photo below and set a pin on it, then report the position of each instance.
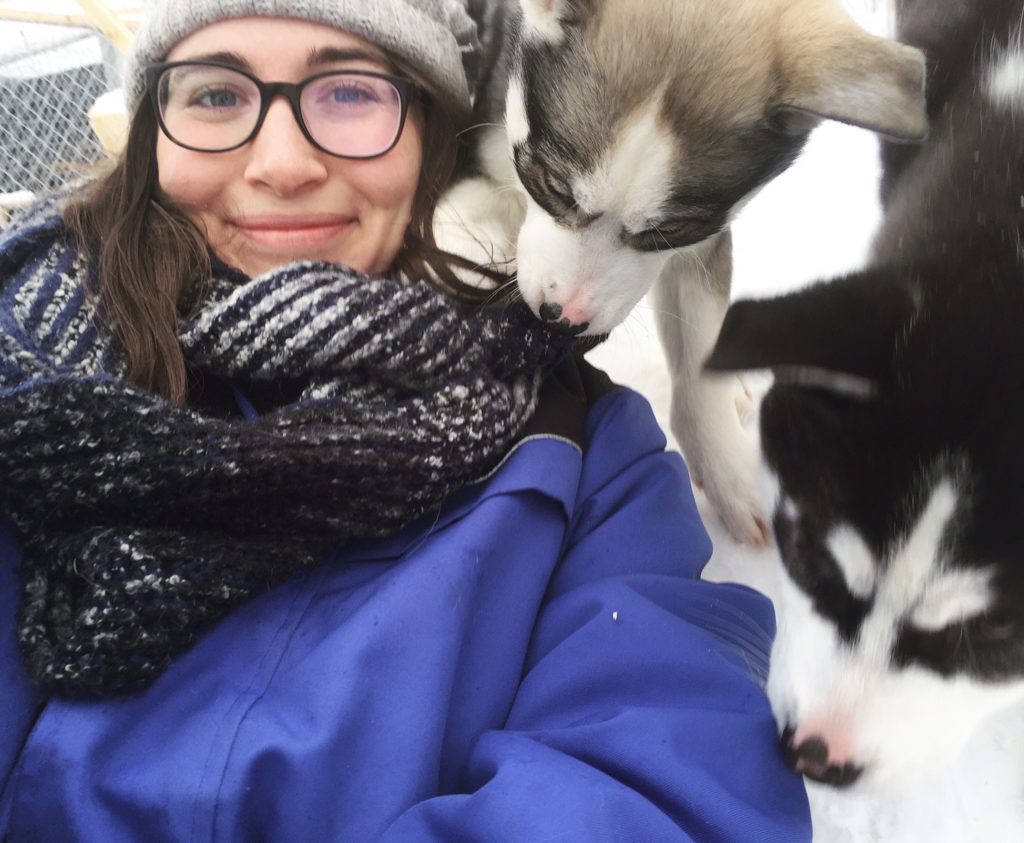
(271, 45)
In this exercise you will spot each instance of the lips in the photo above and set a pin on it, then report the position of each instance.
(292, 231)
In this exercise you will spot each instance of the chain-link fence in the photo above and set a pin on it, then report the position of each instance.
(49, 78)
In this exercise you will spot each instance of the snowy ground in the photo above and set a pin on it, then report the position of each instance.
(815, 222)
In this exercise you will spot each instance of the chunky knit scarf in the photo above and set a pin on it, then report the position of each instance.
(142, 524)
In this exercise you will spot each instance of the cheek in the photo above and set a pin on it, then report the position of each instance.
(188, 178)
(394, 180)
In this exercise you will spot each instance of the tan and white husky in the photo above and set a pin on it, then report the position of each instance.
(621, 137)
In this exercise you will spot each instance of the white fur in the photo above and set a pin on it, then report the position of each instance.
(913, 566)
(1005, 82)
(478, 219)
(894, 722)
(497, 163)
(721, 456)
(632, 179)
(789, 507)
(953, 597)
(542, 19)
(977, 799)
(855, 560)
(517, 126)
(590, 272)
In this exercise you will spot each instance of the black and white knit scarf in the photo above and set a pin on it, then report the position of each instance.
(142, 524)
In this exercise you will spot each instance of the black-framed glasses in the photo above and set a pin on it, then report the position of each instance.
(213, 107)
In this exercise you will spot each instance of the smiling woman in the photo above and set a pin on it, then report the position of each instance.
(273, 195)
(283, 179)
(388, 563)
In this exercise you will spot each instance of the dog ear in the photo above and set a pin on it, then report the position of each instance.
(857, 78)
(547, 20)
(840, 336)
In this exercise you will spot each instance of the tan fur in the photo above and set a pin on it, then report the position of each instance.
(733, 60)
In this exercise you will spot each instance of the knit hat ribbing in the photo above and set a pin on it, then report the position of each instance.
(435, 37)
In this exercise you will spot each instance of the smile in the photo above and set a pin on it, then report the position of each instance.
(292, 232)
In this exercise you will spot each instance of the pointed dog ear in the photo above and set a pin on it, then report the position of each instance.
(857, 78)
(546, 20)
(840, 336)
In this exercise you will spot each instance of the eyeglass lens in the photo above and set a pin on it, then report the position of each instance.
(215, 109)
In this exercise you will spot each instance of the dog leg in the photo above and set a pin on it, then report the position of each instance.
(690, 299)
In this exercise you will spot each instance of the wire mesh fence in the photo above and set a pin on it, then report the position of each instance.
(49, 78)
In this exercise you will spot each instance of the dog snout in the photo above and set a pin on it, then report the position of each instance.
(811, 757)
(554, 317)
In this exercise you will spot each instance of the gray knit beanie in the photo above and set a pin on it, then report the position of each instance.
(437, 38)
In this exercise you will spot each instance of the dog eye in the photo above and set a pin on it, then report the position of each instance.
(559, 191)
(648, 240)
(671, 234)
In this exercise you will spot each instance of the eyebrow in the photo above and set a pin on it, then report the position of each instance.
(333, 55)
(317, 57)
(224, 57)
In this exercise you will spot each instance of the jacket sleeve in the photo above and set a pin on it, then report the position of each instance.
(641, 714)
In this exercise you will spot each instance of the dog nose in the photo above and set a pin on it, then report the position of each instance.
(551, 314)
(811, 758)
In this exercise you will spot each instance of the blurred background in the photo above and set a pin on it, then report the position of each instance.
(58, 61)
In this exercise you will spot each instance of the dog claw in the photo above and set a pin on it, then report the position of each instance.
(764, 540)
(744, 400)
(742, 517)
(750, 530)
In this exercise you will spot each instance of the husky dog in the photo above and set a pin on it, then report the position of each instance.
(619, 139)
(892, 435)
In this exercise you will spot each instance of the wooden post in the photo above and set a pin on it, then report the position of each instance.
(100, 15)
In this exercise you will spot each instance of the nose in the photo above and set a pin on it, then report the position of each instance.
(551, 315)
(811, 758)
(281, 157)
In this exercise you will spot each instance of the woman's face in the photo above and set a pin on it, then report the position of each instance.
(279, 199)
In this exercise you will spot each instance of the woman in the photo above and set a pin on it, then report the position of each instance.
(299, 546)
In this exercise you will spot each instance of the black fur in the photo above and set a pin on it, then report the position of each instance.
(936, 326)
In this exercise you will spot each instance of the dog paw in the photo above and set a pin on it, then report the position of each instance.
(724, 468)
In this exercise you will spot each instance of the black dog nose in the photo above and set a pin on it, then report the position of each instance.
(551, 314)
(811, 758)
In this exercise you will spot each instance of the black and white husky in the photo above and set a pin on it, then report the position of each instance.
(621, 136)
(892, 435)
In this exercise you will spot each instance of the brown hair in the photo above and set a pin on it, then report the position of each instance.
(149, 257)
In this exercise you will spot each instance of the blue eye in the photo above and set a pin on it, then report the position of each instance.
(215, 98)
(351, 95)
(347, 95)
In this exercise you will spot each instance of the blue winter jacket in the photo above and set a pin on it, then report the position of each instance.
(540, 661)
